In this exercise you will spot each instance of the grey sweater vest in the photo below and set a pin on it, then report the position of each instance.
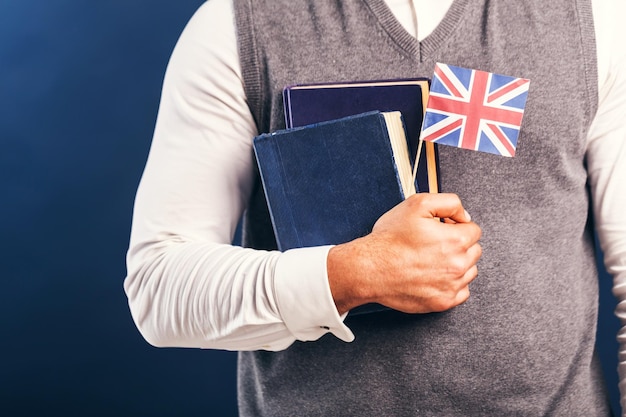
(523, 344)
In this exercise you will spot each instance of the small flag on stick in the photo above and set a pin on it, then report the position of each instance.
(475, 110)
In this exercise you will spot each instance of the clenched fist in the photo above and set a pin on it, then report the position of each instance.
(411, 261)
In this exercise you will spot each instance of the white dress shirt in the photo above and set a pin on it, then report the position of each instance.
(188, 286)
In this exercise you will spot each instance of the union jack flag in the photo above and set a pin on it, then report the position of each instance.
(475, 110)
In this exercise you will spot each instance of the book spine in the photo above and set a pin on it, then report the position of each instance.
(270, 151)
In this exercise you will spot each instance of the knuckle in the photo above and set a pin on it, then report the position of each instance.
(417, 201)
(454, 198)
(457, 266)
(451, 199)
(478, 251)
(462, 240)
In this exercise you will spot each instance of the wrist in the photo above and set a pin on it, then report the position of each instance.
(347, 276)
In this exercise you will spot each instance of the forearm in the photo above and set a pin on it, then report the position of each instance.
(208, 295)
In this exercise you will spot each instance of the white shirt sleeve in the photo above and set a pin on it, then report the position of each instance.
(606, 157)
(187, 286)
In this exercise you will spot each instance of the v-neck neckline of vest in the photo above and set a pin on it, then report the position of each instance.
(405, 40)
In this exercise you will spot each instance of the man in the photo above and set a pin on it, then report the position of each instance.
(521, 344)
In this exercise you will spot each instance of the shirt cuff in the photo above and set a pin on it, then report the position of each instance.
(303, 295)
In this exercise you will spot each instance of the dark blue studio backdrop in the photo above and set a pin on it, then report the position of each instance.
(79, 89)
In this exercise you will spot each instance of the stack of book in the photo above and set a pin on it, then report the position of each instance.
(347, 156)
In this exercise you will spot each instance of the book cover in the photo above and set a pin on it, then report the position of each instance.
(312, 103)
(329, 182)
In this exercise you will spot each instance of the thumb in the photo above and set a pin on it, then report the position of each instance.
(446, 206)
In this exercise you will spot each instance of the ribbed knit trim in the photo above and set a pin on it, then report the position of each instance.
(406, 41)
(589, 57)
(445, 29)
(394, 29)
(249, 57)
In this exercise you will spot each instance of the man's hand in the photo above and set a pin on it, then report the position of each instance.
(411, 261)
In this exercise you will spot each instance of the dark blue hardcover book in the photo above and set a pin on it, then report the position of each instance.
(329, 182)
(305, 104)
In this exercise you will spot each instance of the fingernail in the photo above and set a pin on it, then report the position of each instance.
(467, 216)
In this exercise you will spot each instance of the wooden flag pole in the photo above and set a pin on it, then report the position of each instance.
(417, 159)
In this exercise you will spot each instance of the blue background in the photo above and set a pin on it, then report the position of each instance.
(79, 89)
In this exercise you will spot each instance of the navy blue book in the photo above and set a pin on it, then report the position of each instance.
(329, 182)
(305, 104)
